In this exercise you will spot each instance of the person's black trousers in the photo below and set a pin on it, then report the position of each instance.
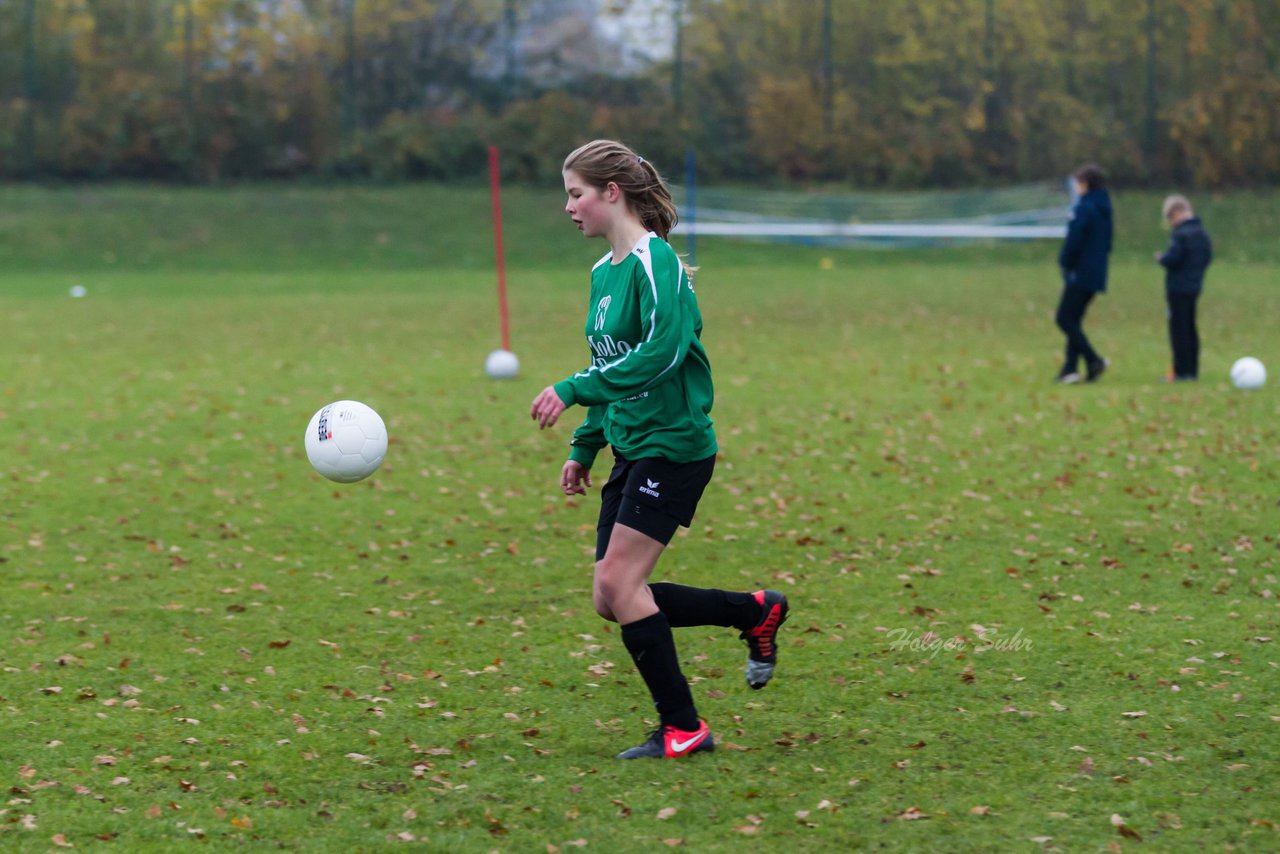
(1183, 335)
(1070, 320)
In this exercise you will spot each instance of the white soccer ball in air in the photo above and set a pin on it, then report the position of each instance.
(1248, 373)
(346, 441)
(502, 365)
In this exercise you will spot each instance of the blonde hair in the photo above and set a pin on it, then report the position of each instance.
(1175, 204)
(602, 161)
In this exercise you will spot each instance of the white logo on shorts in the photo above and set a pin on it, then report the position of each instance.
(651, 489)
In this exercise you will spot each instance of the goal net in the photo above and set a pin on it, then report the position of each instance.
(1026, 212)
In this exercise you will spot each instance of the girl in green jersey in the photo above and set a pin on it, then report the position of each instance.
(648, 394)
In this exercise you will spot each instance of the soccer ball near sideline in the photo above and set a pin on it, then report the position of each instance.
(1248, 374)
(346, 441)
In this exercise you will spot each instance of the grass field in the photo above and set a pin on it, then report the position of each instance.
(1025, 616)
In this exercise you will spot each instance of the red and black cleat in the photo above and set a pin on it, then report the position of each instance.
(762, 646)
(667, 742)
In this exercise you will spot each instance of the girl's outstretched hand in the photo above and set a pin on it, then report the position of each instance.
(574, 478)
(546, 408)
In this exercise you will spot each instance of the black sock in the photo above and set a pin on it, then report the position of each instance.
(703, 606)
(653, 649)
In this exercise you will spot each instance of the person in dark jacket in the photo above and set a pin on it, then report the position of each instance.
(1184, 262)
(1083, 260)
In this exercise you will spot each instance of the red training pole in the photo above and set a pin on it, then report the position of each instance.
(495, 192)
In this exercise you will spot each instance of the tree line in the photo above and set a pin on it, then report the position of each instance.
(879, 94)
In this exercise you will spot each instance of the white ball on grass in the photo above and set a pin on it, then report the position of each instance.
(1248, 374)
(346, 441)
(502, 365)
(78, 291)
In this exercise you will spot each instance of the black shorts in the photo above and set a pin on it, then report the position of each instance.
(653, 495)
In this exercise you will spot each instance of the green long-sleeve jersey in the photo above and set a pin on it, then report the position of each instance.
(648, 388)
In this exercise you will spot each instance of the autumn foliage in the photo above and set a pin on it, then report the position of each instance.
(879, 94)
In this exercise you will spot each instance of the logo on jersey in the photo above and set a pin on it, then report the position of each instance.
(606, 349)
(602, 308)
(651, 489)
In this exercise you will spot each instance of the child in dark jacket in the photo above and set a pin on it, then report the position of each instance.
(1185, 261)
(1083, 260)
